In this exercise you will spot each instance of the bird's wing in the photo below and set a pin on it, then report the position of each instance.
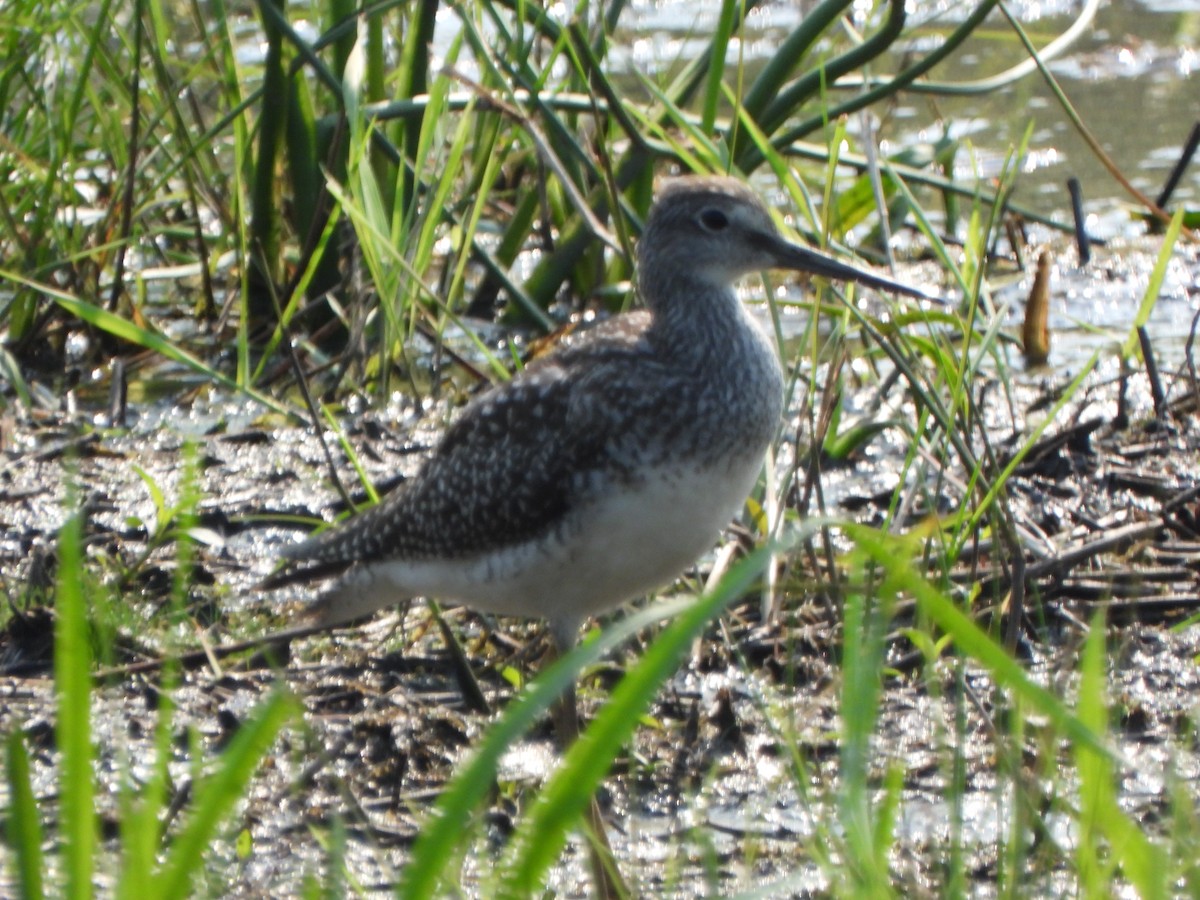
(505, 471)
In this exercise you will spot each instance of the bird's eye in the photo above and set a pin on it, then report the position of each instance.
(714, 220)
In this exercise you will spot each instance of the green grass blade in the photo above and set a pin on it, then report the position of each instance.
(351, 454)
(1155, 284)
(142, 806)
(142, 337)
(1095, 772)
(265, 226)
(865, 628)
(219, 792)
(726, 21)
(73, 686)
(1100, 815)
(24, 828)
(10, 370)
(790, 53)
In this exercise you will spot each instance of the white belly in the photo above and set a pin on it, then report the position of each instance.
(625, 544)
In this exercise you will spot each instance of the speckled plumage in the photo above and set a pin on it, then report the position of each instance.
(603, 470)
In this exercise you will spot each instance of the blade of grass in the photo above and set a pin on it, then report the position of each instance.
(24, 827)
(265, 225)
(73, 685)
(1154, 286)
(865, 629)
(1143, 862)
(218, 793)
(351, 454)
(716, 71)
(143, 337)
(10, 369)
(141, 806)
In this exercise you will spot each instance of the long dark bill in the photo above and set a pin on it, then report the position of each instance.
(801, 259)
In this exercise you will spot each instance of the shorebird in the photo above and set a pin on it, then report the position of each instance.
(603, 470)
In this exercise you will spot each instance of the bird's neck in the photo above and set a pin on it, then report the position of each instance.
(683, 296)
(726, 362)
(695, 317)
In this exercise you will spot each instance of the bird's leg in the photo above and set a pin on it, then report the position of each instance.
(606, 877)
(566, 718)
(563, 633)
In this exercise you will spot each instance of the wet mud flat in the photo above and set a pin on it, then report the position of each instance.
(732, 782)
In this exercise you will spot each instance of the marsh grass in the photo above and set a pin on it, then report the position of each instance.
(346, 209)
